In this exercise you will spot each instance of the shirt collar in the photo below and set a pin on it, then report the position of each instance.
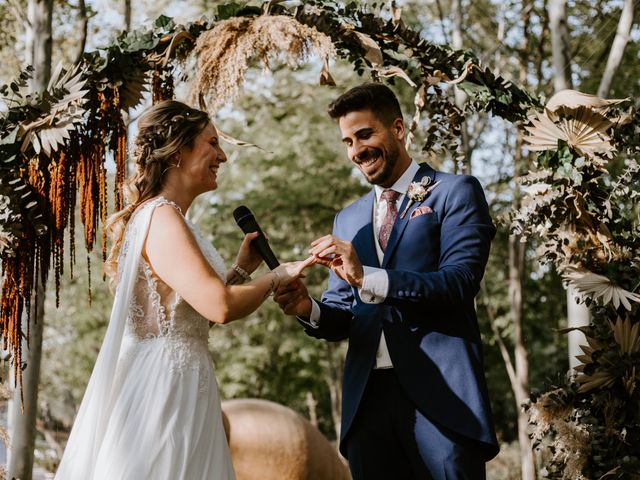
(402, 184)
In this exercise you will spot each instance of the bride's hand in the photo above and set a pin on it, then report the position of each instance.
(248, 258)
(290, 271)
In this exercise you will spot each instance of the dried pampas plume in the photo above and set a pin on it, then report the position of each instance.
(225, 52)
(571, 440)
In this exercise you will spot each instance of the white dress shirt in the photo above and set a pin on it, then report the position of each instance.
(375, 283)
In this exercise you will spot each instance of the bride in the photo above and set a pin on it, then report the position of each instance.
(152, 406)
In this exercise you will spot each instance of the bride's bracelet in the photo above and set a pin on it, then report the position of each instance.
(275, 283)
(242, 272)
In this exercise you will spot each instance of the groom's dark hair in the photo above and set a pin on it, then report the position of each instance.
(375, 97)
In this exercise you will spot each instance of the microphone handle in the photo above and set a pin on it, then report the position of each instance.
(263, 248)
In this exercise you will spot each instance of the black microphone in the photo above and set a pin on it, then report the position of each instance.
(247, 222)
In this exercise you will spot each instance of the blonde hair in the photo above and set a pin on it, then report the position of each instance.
(163, 130)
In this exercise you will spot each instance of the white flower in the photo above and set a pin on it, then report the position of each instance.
(417, 191)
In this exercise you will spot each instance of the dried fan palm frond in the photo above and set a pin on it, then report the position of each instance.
(582, 128)
(599, 379)
(626, 334)
(600, 288)
(134, 86)
(225, 52)
(63, 110)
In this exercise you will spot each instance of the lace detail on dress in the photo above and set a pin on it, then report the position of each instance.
(183, 333)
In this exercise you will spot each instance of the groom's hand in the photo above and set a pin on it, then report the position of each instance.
(339, 256)
(294, 299)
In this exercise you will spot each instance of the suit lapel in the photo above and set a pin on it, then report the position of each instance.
(401, 223)
(364, 240)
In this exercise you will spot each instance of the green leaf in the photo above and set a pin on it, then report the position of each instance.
(164, 22)
(229, 10)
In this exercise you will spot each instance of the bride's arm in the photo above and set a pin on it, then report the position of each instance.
(176, 258)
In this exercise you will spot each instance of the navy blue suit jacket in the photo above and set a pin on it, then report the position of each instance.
(435, 262)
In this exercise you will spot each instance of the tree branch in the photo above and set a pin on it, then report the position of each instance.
(84, 23)
(560, 44)
(617, 48)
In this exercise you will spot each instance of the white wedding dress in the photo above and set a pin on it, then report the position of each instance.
(152, 407)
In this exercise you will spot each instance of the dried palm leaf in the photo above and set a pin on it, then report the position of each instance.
(601, 378)
(600, 288)
(134, 86)
(626, 334)
(62, 110)
(582, 128)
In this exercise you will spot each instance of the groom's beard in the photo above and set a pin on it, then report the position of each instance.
(389, 159)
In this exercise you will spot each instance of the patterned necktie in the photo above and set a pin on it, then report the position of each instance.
(390, 196)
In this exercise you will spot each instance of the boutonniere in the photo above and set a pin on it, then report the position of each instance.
(418, 191)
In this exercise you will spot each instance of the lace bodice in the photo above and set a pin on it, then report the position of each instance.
(155, 310)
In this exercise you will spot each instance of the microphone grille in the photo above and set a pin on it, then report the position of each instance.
(241, 212)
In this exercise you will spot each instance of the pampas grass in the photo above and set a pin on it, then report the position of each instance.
(225, 52)
(571, 440)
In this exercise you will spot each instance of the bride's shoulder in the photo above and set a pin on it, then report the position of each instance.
(158, 203)
(150, 207)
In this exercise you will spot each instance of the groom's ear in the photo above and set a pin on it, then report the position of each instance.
(397, 127)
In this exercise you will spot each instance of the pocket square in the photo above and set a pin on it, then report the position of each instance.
(420, 211)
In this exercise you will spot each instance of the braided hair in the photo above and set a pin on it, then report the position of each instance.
(163, 130)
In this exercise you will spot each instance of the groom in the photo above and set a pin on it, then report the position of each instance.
(406, 262)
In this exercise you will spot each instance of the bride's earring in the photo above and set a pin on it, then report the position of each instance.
(173, 165)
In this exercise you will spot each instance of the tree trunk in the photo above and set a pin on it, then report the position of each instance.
(22, 427)
(521, 387)
(517, 250)
(127, 15)
(617, 48)
(576, 313)
(577, 316)
(39, 41)
(560, 45)
(84, 24)
(460, 96)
